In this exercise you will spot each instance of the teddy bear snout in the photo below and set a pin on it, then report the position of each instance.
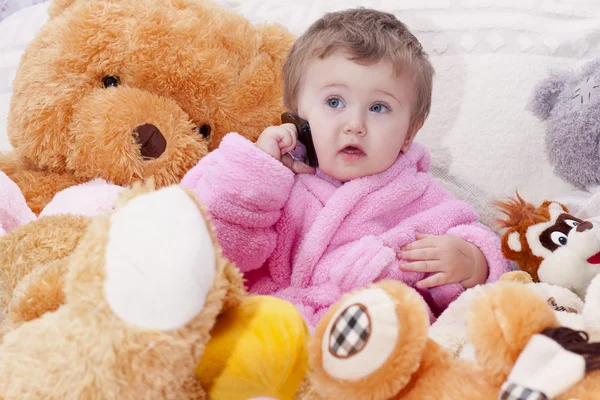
(152, 141)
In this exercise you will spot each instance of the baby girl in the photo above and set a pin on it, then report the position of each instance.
(370, 211)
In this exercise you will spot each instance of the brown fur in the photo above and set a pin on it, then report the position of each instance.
(519, 216)
(181, 64)
(28, 249)
(501, 321)
(39, 292)
(84, 351)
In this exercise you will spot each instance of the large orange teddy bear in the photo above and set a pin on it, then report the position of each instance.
(131, 89)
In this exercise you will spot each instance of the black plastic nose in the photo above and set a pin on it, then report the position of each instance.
(151, 140)
(584, 226)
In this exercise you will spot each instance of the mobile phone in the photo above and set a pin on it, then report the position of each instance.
(304, 136)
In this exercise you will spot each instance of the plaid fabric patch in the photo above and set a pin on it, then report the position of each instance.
(350, 332)
(552, 303)
(512, 391)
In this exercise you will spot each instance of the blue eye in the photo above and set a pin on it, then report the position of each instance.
(379, 108)
(335, 102)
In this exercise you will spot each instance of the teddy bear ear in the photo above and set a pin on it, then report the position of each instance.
(546, 94)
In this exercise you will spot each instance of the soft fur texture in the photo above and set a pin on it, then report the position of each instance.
(569, 103)
(34, 251)
(309, 239)
(501, 322)
(551, 244)
(29, 249)
(450, 329)
(191, 68)
(84, 350)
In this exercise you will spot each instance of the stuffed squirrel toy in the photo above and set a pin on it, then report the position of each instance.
(550, 244)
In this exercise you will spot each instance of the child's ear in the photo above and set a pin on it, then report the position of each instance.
(412, 132)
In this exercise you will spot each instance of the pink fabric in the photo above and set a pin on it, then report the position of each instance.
(309, 239)
(14, 210)
(90, 199)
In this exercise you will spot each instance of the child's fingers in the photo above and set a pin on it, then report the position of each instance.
(434, 280)
(419, 254)
(420, 236)
(419, 244)
(421, 266)
(296, 166)
(301, 168)
(287, 141)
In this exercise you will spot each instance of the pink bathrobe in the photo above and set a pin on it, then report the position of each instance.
(309, 239)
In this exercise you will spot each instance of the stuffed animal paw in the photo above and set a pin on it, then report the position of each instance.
(141, 297)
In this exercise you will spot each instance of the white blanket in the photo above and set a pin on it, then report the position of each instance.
(488, 56)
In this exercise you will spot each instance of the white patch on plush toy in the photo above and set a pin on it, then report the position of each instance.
(576, 261)
(555, 210)
(591, 309)
(160, 260)
(361, 335)
(514, 241)
(533, 238)
(450, 329)
(544, 366)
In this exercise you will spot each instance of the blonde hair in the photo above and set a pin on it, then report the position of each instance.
(367, 36)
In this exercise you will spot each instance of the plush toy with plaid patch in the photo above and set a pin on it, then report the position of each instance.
(374, 344)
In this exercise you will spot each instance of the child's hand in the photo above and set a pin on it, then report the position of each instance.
(278, 141)
(449, 257)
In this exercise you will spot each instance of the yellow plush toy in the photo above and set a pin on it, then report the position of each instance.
(256, 349)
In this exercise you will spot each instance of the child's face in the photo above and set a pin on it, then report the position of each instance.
(358, 114)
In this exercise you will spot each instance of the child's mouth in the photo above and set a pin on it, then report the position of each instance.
(352, 152)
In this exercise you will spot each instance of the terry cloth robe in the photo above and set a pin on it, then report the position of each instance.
(309, 239)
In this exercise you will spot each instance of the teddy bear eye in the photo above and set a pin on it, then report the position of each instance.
(205, 130)
(111, 81)
(559, 238)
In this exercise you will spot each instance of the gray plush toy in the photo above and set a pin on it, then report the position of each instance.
(569, 103)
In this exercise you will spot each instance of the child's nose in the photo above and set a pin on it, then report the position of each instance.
(355, 125)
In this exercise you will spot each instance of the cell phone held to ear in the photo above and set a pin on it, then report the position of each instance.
(304, 136)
